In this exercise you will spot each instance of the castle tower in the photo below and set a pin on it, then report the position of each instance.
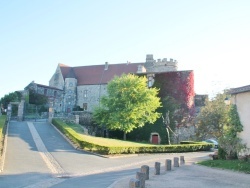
(70, 91)
(163, 65)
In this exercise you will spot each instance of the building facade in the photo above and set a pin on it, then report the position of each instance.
(241, 98)
(83, 86)
(54, 95)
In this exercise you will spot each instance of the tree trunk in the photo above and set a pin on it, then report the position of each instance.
(124, 135)
(168, 136)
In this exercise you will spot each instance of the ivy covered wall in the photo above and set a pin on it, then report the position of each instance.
(177, 96)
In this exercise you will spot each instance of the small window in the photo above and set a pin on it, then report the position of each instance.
(85, 93)
(85, 106)
(45, 91)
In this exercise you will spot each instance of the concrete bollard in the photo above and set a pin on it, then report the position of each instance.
(134, 183)
(168, 165)
(145, 169)
(182, 160)
(157, 168)
(141, 177)
(176, 162)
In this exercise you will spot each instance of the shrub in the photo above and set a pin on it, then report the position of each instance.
(112, 146)
(2, 125)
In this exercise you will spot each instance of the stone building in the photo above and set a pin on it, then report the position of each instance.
(83, 86)
(54, 95)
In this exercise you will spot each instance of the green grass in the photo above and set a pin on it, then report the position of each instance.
(113, 146)
(2, 123)
(100, 140)
(235, 165)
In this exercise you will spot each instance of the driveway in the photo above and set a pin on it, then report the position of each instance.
(38, 156)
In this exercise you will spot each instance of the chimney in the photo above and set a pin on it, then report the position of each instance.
(106, 66)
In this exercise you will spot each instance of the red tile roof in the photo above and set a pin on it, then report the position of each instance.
(95, 74)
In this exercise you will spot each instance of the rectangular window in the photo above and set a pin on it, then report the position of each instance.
(85, 106)
(85, 93)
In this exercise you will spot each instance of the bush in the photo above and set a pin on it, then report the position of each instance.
(2, 125)
(112, 146)
(221, 154)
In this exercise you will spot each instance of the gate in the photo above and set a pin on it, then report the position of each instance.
(34, 112)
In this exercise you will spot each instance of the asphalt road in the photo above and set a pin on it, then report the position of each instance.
(38, 156)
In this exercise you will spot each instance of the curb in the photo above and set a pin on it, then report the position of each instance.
(74, 145)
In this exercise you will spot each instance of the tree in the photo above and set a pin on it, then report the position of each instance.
(212, 118)
(11, 97)
(129, 104)
(229, 141)
(36, 98)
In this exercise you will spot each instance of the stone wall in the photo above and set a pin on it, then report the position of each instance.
(88, 96)
(184, 133)
(161, 65)
(57, 80)
(70, 95)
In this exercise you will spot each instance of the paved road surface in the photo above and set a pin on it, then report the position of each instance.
(38, 156)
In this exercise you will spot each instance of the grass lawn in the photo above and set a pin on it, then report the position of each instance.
(103, 141)
(235, 165)
(114, 146)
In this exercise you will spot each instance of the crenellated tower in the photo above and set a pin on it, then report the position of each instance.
(161, 65)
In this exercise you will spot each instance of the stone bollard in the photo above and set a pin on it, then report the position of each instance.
(157, 168)
(182, 160)
(145, 169)
(141, 177)
(168, 165)
(176, 162)
(134, 183)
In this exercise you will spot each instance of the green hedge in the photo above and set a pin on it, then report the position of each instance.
(2, 125)
(73, 133)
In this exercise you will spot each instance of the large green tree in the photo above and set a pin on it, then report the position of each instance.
(129, 104)
(213, 118)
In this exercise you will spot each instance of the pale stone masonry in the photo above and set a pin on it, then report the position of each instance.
(84, 86)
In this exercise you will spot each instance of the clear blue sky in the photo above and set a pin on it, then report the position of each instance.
(211, 37)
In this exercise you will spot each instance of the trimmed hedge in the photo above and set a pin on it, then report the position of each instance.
(2, 125)
(90, 143)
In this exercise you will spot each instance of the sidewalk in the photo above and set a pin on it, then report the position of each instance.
(190, 175)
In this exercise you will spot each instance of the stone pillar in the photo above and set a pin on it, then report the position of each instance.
(157, 168)
(168, 165)
(20, 110)
(145, 169)
(176, 162)
(141, 177)
(9, 109)
(182, 160)
(134, 183)
(51, 114)
(77, 119)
